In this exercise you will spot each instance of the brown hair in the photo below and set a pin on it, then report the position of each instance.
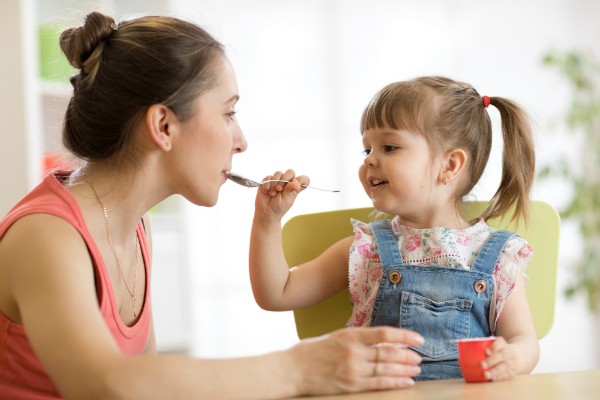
(126, 68)
(450, 115)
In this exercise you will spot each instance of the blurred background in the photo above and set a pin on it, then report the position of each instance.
(305, 71)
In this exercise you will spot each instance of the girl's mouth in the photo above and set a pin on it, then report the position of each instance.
(374, 182)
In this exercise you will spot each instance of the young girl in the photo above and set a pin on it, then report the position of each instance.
(152, 114)
(426, 144)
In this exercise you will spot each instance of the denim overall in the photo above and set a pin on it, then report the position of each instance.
(442, 304)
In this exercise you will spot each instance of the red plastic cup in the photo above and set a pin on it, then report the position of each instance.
(471, 352)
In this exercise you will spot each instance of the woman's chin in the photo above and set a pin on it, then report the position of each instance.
(211, 203)
(205, 201)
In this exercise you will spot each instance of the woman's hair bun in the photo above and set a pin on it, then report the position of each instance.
(79, 43)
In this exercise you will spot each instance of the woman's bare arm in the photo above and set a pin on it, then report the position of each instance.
(54, 297)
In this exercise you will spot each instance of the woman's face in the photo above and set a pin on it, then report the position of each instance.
(209, 139)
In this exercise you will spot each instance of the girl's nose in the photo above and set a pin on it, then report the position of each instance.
(370, 159)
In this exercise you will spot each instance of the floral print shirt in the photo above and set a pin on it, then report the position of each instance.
(443, 247)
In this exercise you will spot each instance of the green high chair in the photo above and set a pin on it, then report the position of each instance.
(306, 236)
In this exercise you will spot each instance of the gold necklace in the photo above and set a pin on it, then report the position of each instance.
(112, 246)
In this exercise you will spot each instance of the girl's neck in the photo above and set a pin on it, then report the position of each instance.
(430, 220)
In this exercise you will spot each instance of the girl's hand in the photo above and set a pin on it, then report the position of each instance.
(501, 362)
(356, 360)
(276, 198)
(516, 349)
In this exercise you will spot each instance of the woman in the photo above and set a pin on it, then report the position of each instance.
(152, 115)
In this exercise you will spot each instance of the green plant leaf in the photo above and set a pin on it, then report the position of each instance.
(582, 119)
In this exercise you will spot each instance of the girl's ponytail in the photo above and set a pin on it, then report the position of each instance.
(518, 162)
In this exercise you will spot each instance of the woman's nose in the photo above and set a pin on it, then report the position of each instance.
(241, 144)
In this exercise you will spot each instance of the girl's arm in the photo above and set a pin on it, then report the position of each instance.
(53, 295)
(516, 351)
(274, 285)
(278, 288)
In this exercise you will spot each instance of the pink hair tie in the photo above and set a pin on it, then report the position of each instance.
(486, 101)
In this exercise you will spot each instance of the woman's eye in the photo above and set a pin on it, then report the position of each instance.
(231, 114)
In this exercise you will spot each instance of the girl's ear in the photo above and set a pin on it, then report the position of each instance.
(161, 123)
(453, 164)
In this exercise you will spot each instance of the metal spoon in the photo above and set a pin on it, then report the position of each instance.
(241, 180)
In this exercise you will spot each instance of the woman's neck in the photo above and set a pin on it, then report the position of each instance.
(126, 195)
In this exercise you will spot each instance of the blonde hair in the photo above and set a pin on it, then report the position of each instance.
(451, 115)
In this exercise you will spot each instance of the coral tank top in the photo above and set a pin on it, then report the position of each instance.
(21, 374)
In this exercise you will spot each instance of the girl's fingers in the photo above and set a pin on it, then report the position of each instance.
(494, 354)
(303, 180)
(499, 372)
(290, 176)
(498, 345)
(295, 181)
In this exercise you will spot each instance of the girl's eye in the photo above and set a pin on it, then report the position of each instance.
(388, 148)
(366, 152)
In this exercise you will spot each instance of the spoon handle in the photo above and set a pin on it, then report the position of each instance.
(302, 184)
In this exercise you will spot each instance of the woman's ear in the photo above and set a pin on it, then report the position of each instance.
(161, 122)
(453, 164)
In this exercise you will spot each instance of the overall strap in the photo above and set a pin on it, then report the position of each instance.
(490, 252)
(389, 254)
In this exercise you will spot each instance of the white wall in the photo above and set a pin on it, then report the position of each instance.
(305, 70)
(19, 105)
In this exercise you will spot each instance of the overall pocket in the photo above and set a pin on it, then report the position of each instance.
(441, 322)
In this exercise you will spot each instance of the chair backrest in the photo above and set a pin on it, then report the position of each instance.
(307, 236)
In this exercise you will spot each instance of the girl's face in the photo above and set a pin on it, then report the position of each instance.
(210, 139)
(399, 174)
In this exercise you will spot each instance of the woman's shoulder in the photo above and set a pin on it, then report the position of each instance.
(36, 250)
(40, 231)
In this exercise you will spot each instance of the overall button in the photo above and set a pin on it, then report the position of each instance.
(480, 286)
(395, 277)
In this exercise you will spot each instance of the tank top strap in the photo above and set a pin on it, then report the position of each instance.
(490, 252)
(387, 244)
